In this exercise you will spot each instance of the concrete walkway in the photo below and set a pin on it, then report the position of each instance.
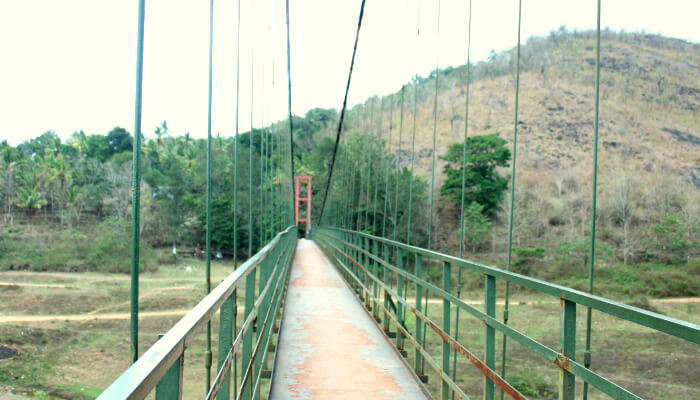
(329, 348)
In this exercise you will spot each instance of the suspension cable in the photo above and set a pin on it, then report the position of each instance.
(235, 169)
(378, 158)
(345, 103)
(435, 115)
(398, 164)
(512, 191)
(250, 156)
(464, 175)
(368, 167)
(413, 139)
(432, 179)
(208, 354)
(591, 256)
(388, 167)
(136, 192)
(262, 157)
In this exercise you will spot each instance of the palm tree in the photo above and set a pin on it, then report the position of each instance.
(31, 194)
(7, 177)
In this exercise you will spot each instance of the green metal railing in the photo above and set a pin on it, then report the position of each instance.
(361, 257)
(161, 366)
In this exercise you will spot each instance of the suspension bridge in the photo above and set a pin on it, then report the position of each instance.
(339, 309)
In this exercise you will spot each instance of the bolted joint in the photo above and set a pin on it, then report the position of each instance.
(587, 358)
(505, 315)
(207, 359)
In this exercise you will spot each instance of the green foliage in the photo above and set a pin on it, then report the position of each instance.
(476, 224)
(671, 239)
(572, 255)
(482, 183)
(527, 257)
(119, 140)
(652, 280)
(533, 385)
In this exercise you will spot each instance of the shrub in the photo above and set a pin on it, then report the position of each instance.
(671, 241)
(526, 258)
(572, 255)
(533, 385)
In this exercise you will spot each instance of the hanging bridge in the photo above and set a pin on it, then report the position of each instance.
(338, 308)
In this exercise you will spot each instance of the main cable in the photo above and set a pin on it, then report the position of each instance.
(345, 102)
(289, 107)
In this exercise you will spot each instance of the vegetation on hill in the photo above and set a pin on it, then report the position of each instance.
(648, 184)
(648, 203)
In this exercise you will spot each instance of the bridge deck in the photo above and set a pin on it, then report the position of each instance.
(329, 348)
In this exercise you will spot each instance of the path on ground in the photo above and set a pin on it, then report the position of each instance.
(329, 347)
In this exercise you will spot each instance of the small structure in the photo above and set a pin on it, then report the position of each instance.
(303, 213)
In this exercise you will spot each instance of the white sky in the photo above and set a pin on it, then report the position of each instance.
(70, 64)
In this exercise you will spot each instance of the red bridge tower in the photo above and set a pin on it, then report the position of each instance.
(304, 200)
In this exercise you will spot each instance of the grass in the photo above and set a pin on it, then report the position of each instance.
(78, 359)
(102, 247)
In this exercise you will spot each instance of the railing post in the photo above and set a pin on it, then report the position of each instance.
(568, 348)
(365, 257)
(170, 385)
(418, 366)
(399, 305)
(246, 351)
(386, 282)
(375, 286)
(265, 269)
(353, 267)
(368, 279)
(446, 285)
(490, 288)
(225, 337)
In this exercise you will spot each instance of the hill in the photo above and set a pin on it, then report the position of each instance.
(649, 170)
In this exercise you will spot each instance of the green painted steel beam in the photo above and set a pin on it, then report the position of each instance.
(225, 336)
(170, 385)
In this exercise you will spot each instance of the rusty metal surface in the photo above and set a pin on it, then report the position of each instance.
(329, 347)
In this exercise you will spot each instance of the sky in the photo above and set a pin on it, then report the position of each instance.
(70, 65)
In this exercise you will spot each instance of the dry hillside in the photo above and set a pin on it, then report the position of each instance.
(649, 121)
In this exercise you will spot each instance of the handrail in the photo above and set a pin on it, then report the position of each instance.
(142, 376)
(355, 253)
(672, 326)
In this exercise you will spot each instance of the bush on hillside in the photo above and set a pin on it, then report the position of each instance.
(527, 257)
(105, 247)
(572, 255)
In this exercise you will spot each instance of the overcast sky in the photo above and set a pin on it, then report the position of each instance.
(69, 65)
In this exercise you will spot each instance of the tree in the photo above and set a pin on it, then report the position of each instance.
(670, 238)
(119, 140)
(476, 224)
(483, 184)
(8, 167)
(31, 194)
(623, 205)
(97, 147)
